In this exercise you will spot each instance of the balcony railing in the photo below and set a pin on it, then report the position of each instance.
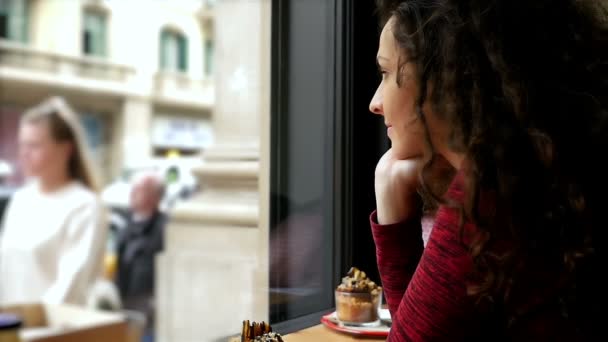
(180, 88)
(21, 56)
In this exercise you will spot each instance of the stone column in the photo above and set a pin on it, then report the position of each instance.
(132, 134)
(214, 271)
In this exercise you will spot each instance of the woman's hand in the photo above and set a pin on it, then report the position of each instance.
(396, 184)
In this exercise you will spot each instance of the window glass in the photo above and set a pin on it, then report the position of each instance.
(94, 34)
(209, 47)
(13, 20)
(174, 51)
(302, 235)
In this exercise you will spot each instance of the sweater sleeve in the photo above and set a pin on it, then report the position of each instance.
(398, 250)
(81, 258)
(426, 296)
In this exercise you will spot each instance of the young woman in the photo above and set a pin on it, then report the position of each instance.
(513, 95)
(53, 233)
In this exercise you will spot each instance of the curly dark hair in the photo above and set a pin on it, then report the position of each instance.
(523, 86)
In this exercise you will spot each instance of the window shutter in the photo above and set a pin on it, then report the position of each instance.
(163, 49)
(102, 34)
(209, 57)
(183, 53)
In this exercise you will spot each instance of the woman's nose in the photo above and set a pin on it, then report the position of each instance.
(375, 106)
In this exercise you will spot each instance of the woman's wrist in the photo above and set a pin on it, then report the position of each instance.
(397, 207)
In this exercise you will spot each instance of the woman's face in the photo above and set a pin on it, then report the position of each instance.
(397, 103)
(40, 155)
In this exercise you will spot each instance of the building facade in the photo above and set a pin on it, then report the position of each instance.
(139, 72)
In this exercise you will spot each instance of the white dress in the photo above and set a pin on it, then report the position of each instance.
(51, 245)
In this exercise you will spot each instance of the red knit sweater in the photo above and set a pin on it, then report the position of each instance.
(425, 288)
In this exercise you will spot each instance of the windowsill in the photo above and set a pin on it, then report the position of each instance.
(95, 58)
(172, 73)
(183, 76)
(174, 88)
(14, 41)
(300, 323)
(321, 333)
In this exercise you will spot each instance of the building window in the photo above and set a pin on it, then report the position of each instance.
(94, 33)
(98, 137)
(210, 3)
(173, 51)
(13, 20)
(209, 47)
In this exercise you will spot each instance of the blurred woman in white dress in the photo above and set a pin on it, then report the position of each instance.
(53, 235)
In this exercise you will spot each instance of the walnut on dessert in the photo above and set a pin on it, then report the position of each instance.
(269, 337)
(357, 281)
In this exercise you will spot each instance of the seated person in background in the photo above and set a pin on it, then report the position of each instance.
(53, 235)
(138, 243)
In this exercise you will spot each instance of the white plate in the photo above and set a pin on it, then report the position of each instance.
(380, 329)
(385, 315)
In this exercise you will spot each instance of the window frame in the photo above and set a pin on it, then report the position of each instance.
(10, 12)
(104, 47)
(338, 177)
(352, 46)
(209, 54)
(182, 50)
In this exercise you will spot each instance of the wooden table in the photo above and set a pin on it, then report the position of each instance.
(321, 333)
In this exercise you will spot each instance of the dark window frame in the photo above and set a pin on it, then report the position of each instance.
(352, 160)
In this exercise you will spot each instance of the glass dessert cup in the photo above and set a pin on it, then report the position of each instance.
(358, 308)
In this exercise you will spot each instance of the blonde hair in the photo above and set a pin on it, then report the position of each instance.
(64, 126)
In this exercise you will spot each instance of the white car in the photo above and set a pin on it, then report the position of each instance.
(5, 169)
